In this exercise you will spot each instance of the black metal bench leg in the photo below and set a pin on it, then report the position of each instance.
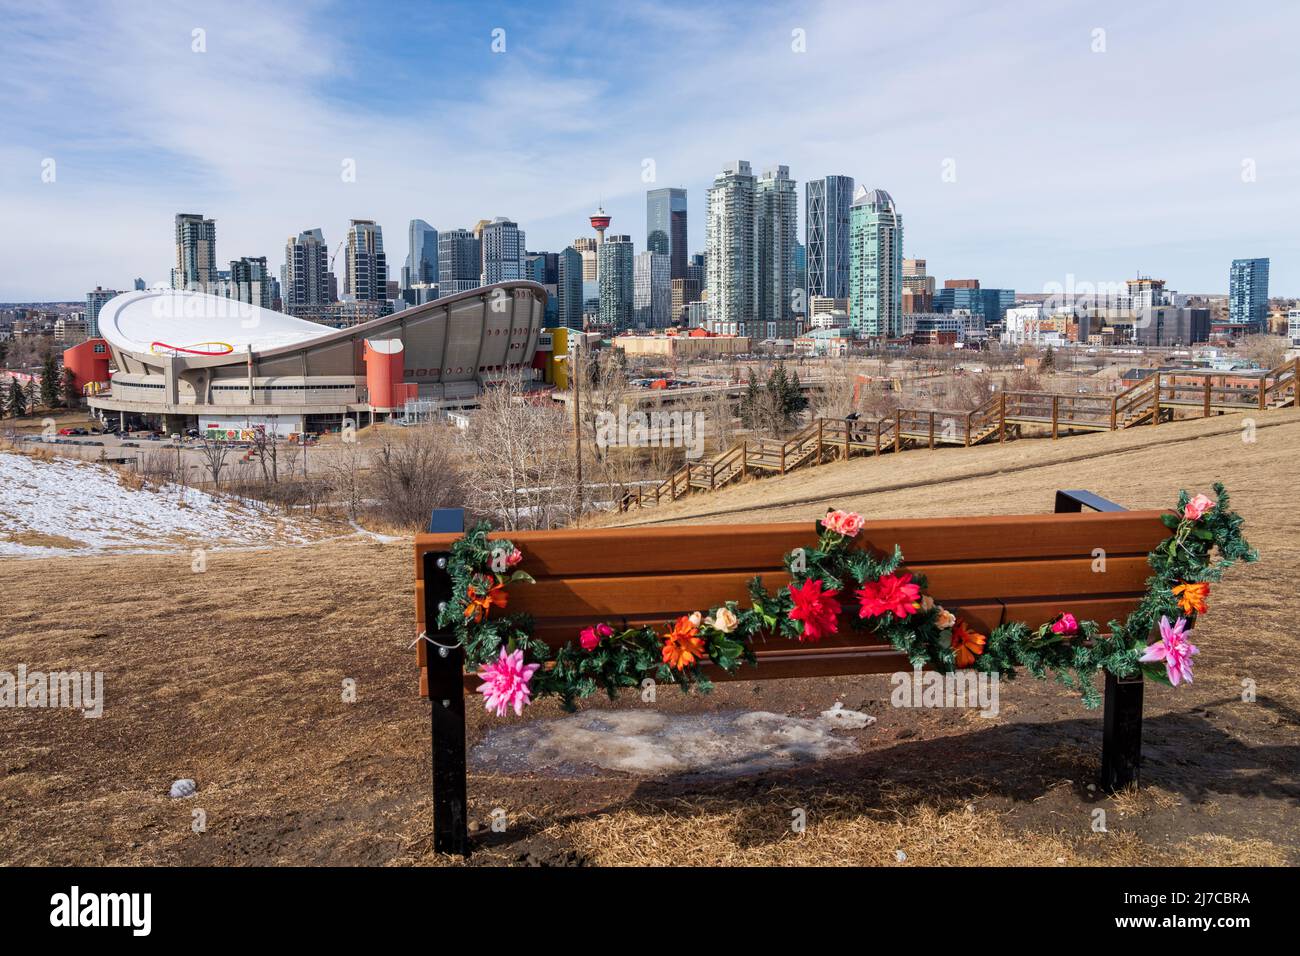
(447, 724)
(1121, 747)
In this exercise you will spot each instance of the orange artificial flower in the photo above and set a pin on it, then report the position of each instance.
(1191, 596)
(967, 643)
(682, 645)
(479, 605)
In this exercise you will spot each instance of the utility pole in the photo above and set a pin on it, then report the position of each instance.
(576, 367)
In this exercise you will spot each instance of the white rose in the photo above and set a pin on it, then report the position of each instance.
(724, 620)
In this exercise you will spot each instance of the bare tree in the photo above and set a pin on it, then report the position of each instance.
(344, 465)
(214, 453)
(1267, 351)
(519, 456)
(413, 472)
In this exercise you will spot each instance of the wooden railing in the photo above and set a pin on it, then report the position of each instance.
(1148, 400)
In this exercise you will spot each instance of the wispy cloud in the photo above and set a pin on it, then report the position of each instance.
(1066, 159)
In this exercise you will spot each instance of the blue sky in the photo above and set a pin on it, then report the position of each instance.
(1166, 143)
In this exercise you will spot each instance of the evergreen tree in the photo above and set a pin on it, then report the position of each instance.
(50, 381)
(749, 404)
(17, 403)
(797, 402)
(71, 392)
(32, 396)
(1049, 360)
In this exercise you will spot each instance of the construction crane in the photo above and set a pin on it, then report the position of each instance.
(337, 250)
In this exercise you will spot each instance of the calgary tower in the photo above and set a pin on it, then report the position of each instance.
(600, 222)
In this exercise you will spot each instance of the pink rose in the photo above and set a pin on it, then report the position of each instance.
(846, 523)
(1065, 625)
(514, 557)
(1197, 507)
(591, 636)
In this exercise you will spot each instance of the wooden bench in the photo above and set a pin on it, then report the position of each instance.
(986, 570)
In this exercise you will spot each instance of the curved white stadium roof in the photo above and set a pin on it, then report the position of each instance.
(194, 323)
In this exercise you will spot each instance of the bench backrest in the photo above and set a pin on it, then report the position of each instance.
(987, 570)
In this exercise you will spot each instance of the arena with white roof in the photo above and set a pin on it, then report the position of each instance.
(189, 360)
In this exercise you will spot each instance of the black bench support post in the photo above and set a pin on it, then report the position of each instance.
(444, 669)
(1121, 741)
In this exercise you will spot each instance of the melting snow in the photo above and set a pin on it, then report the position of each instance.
(646, 743)
(65, 507)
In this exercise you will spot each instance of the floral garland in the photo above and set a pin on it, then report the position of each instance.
(516, 668)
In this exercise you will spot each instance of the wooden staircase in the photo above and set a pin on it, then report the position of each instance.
(1150, 401)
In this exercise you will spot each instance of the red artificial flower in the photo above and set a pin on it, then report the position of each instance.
(819, 610)
(893, 594)
(478, 603)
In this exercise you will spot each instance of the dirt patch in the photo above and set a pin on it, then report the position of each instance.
(36, 539)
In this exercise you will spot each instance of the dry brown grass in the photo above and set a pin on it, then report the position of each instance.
(234, 677)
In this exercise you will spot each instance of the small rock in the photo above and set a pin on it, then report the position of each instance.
(1060, 859)
(852, 719)
(905, 733)
(183, 788)
(900, 856)
(474, 826)
(1092, 786)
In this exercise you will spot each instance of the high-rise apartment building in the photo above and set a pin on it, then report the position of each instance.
(665, 224)
(586, 247)
(828, 202)
(460, 261)
(876, 266)
(569, 289)
(1248, 294)
(616, 283)
(196, 253)
(651, 290)
(367, 266)
(422, 255)
(307, 281)
(731, 245)
(94, 302)
(251, 282)
(503, 251)
(776, 213)
(684, 292)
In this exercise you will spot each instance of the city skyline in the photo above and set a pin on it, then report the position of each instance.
(1060, 184)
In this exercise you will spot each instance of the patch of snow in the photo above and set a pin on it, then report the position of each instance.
(183, 788)
(646, 743)
(83, 508)
(848, 719)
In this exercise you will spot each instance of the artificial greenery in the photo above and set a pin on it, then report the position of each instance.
(1199, 549)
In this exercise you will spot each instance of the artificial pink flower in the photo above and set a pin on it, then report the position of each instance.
(505, 683)
(893, 593)
(846, 523)
(514, 557)
(1174, 649)
(1197, 507)
(1066, 624)
(817, 609)
(591, 636)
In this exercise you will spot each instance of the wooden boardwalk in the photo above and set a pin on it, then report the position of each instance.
(1155, 399)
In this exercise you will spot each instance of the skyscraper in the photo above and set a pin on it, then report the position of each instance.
(421, 256)
(776, 204)
(569, 289)
(665, 225)
(651, 290)
(196, 252)
(615, 272)
(1248, 294)
(918, 287)
(94, 302)
(876, 267)
(586, 247)
(828, 204)
(731, 240)
(251, 282)
(308, 283)
(460, 261)
(503, 251)
(367, 266)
